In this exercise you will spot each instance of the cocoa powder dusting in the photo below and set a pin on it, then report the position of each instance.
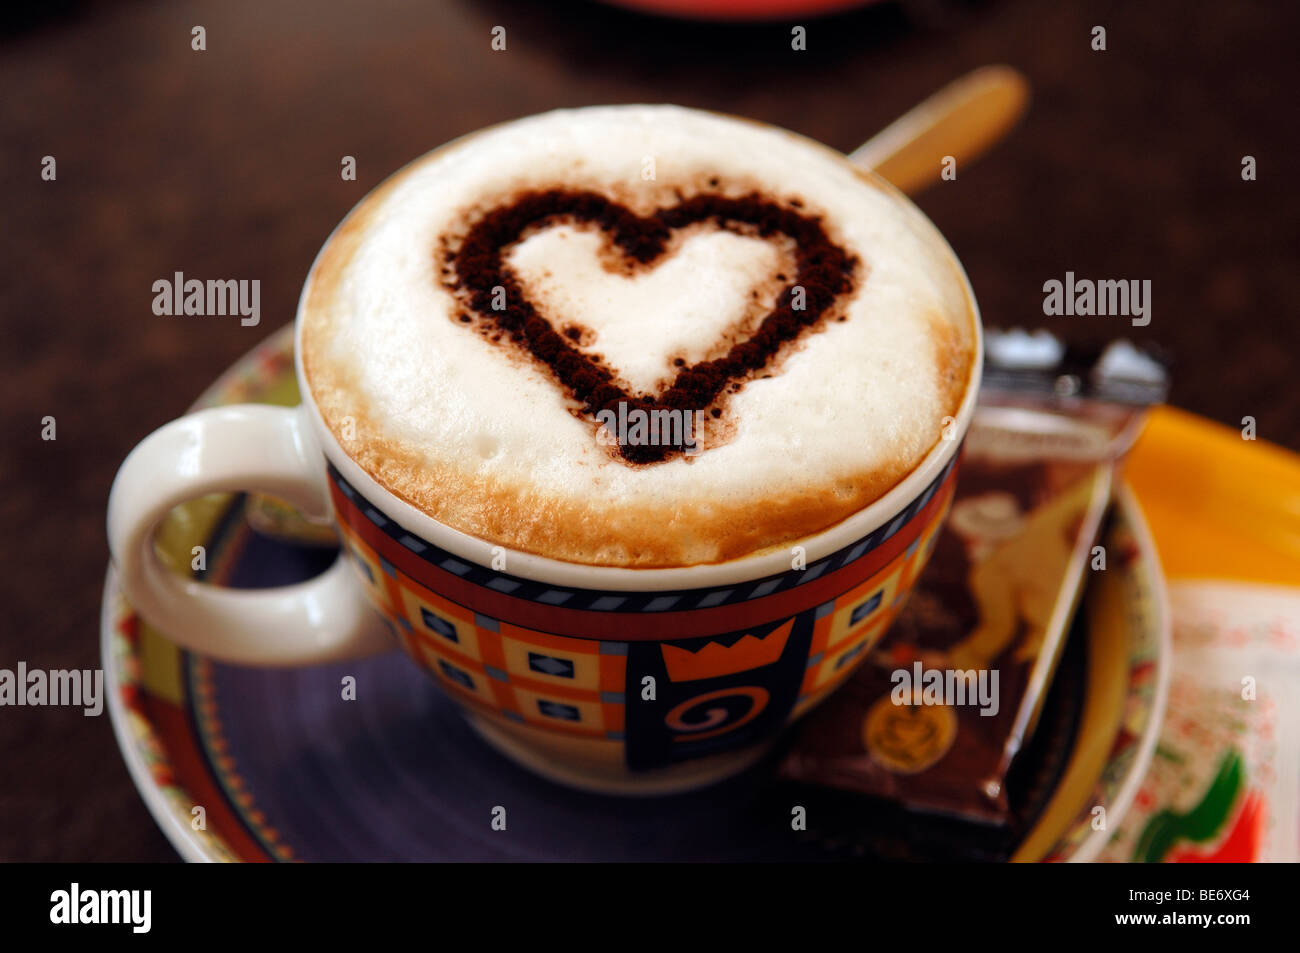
(824, 271)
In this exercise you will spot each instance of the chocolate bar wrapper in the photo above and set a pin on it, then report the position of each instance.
(938, 710)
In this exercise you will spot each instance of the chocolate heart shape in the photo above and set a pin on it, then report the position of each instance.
(475, 269)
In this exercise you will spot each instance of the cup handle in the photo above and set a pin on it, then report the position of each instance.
(248, 447)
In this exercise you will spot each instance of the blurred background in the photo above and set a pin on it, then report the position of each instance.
(225, 163)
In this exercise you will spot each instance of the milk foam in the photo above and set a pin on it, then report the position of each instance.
(645, 320)
(483, 439)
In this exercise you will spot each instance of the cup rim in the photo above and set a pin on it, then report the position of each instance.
(772, 561)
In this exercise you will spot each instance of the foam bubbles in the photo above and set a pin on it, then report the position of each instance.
(855, 405)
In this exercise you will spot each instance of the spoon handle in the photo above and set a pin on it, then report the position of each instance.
(962, 120)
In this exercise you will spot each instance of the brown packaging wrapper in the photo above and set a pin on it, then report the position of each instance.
(937, 711)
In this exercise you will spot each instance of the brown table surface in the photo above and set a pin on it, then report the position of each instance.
(225, 163)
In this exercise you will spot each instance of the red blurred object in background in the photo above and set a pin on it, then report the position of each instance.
(738, 9)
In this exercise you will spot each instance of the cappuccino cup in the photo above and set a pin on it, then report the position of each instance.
(636, 424)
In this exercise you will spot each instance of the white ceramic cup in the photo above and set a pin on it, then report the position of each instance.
(605, 629)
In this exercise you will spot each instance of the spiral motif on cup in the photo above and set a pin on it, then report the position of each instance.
(716, 713)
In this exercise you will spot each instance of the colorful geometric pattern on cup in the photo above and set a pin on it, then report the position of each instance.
(648, 679)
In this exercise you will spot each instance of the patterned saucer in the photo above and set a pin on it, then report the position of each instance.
(251, 764)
